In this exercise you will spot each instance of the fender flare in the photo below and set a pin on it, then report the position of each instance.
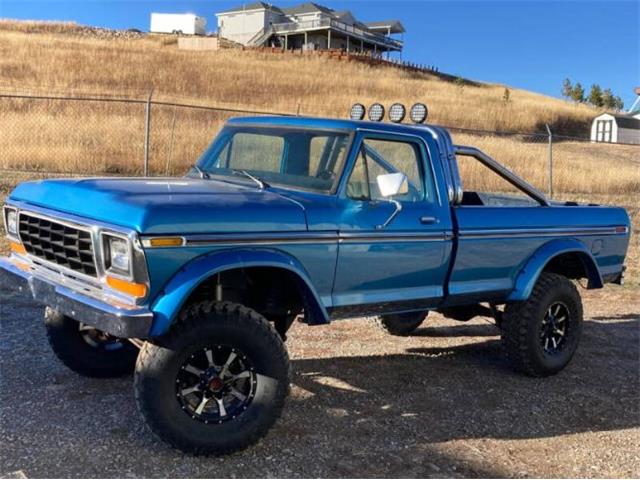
(177, 290)
(529, 273)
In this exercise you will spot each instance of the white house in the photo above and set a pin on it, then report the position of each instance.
(307, 26)
(184, 23)
(243, 23)
(618, 128)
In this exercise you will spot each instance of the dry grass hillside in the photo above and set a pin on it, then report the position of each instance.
(61, 57)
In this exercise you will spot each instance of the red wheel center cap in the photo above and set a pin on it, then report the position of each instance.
(215, 384)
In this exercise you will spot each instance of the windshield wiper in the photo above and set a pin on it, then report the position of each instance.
(201, 172)
(261, 183)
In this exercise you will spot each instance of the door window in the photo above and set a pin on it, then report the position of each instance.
(379, 157)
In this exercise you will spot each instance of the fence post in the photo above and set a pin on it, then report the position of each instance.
(147, 133)
(173, 129)
(550, 160)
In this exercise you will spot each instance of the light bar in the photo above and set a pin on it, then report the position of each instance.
(397, 112)
(376, 112)
(357, 111)
(419, 113)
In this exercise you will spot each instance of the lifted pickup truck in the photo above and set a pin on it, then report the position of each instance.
(193, 282)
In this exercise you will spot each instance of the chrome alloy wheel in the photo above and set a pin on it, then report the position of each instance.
(216, 384)
(554, 328)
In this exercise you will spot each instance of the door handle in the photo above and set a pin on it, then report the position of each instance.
(428, 220)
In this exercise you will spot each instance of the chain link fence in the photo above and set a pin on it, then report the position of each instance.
(561, 166)
(106, 135)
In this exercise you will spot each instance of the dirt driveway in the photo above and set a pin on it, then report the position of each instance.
(439, 403)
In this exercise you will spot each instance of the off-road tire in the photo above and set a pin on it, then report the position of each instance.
(74, 352)
(401, 324)
(522, 324)
(200, 326)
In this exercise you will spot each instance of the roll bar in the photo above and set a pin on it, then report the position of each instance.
(503, 172)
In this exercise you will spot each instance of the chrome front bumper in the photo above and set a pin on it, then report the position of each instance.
(116, 319)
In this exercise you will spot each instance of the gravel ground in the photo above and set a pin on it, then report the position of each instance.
(437, 404)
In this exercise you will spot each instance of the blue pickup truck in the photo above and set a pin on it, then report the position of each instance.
(193, 282)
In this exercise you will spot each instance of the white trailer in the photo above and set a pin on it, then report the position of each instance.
(185, 23)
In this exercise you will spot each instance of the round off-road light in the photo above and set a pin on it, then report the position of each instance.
(419, 113)
(376, 112)
(357, 111)
(397, 112)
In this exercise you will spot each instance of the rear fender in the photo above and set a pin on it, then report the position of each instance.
(173, 296)
(528, 275)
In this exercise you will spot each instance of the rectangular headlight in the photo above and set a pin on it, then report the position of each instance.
(11, 221)
(117, 255)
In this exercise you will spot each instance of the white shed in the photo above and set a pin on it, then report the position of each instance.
(616, 128)
(184, 23)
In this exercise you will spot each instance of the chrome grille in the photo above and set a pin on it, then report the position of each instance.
(58, 243)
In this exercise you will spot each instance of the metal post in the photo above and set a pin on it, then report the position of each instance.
(173, 129)
(147, 133)
(329, 39)
(550, 160)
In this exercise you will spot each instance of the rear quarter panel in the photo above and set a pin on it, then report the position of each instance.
(495, 243)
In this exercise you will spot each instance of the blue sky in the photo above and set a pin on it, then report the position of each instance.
(526, 44)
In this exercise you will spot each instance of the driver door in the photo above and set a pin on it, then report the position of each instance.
(400, 267)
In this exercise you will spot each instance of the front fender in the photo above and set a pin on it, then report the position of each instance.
(172, 297)
(528, 275)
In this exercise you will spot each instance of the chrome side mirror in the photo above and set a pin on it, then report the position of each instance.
(390, 185)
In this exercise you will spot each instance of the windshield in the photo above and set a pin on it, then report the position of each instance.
(290, 157)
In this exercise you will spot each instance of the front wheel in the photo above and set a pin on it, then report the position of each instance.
(541, 334)
(87, 350)
(216, 382)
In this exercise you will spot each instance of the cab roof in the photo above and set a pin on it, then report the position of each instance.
(331, 124)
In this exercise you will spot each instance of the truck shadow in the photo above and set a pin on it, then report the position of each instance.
(468, 390)
(462, 330)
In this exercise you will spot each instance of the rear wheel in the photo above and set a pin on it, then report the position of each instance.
(87, 350)
(541, 334)
(401, 324)
(216, 382)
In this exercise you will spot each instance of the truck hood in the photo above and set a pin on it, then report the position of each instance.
(167, 205)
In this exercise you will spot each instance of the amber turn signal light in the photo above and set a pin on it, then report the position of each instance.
(137, 290)
(18, 248)
(166, 242)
